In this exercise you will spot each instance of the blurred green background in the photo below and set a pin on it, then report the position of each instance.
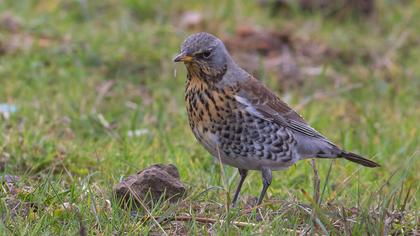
(90, 94)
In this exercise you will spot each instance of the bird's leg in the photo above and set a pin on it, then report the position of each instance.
(243, 174)
(266, 177)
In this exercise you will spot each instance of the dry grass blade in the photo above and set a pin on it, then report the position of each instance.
(225, 185)
(316, 181)
(205, 220)
(82, 227)
(210, 221)
(313, 213)
(102, 90)
(133, 193)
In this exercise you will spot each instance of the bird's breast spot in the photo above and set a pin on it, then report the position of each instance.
(205, 134)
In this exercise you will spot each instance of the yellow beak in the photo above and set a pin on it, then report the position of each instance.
(183, 57)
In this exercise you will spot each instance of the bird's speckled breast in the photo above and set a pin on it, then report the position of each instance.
(207, 105)
(230, 132)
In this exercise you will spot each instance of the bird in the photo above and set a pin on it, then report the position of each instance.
(241, 122)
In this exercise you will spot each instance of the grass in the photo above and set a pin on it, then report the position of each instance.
(84, 73)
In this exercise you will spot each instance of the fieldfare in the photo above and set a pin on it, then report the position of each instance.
(240, 121)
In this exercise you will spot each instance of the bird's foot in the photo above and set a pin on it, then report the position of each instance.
(259, 216)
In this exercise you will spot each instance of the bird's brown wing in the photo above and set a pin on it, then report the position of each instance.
(258, 99)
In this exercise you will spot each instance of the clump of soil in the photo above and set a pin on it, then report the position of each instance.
(14, 38)
(13, 205)
(280, 54)
(334, 8)
(158, 182)
(340, 7)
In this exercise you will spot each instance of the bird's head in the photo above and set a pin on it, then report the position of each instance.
(204, 55)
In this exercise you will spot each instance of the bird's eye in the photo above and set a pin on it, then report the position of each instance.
(206, 54)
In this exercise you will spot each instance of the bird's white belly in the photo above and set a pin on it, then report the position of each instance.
(248, 163)
(211, 144)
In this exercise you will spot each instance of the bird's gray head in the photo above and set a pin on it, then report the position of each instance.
(204, 55)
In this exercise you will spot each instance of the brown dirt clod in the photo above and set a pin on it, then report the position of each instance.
(284, 56)
(157, 182)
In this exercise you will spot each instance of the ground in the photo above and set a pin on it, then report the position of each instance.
(89, 95)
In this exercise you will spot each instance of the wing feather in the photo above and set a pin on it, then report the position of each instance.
(260, 101)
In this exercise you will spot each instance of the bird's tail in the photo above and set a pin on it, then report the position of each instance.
(358, 159)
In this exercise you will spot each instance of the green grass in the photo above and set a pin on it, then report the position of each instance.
(69, 158)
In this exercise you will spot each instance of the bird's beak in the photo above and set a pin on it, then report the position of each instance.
(183, 57)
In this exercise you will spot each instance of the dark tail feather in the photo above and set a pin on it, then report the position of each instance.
(359, 159)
